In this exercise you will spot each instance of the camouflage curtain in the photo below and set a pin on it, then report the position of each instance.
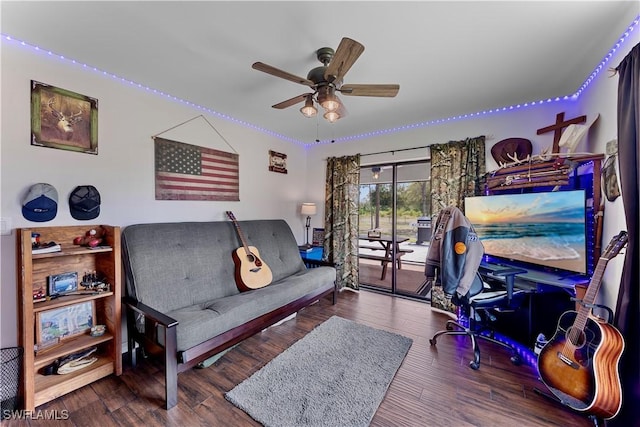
(458, 170)
(341, 218)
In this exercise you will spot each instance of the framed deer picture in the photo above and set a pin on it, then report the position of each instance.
(63, 119)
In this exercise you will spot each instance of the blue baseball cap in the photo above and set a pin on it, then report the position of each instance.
(40, 204)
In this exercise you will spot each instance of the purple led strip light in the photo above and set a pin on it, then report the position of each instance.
(525, 353)
(154, 91)
(574, 96)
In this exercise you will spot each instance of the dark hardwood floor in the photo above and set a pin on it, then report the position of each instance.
(433, 387)
(409, 278)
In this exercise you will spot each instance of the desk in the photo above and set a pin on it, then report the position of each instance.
(384, 243)
(548, 295)
(539, 281)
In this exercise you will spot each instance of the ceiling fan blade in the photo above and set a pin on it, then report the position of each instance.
(385, 90)
(292, 101)
(347, 53)
(282, 74)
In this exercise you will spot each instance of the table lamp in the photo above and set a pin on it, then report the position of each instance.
(308, 209)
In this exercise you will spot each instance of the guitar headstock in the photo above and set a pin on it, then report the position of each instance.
(231, 216)
(615, 245)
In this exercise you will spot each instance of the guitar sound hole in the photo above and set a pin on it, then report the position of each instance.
(576, 337)
(251, 258)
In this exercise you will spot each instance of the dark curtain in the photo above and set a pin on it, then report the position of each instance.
(627, 318)
(342, 191)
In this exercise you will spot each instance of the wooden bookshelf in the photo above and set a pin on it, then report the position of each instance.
(33, 273)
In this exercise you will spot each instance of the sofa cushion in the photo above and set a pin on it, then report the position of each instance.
(201, 322)
(169, 266)
(277, 246)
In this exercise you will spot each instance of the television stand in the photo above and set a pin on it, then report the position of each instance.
(536, 278)
(548, 296)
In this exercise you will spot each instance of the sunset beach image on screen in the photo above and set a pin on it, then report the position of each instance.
(546, 228)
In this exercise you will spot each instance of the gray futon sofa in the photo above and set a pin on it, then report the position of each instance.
(182, 300)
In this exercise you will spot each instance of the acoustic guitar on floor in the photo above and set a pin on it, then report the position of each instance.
(579, 365)
(251, 271)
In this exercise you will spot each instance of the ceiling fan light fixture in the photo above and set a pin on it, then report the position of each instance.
(325, 80)
(376, 172)
(332, 116)
(330, 105)
(327, 98)
(309, 110)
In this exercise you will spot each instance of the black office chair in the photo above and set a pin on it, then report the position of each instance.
(452, 262)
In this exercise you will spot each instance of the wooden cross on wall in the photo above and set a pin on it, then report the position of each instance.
(557, 128)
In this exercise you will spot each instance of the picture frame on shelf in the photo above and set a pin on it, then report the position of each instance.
(65, 322)
(59, 284)
(318, 237)
(63, 119)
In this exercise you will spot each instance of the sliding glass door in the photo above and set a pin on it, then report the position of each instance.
(395, 227)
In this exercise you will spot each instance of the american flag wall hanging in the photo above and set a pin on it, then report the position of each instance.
(189, 172)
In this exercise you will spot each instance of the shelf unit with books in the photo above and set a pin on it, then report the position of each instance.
(40, 385)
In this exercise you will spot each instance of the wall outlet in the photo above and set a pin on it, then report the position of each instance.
(612, 147)
(5, 226)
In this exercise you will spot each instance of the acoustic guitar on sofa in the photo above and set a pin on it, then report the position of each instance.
(579, 365)
(251, 271)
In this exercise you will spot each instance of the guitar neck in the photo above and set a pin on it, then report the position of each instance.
(239, 231)
(591, 294)
(614, 247)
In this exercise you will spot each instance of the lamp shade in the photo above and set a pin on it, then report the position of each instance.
(331, 116)
(327, 98)
(308, 209)
(330, 104)
(309, 110)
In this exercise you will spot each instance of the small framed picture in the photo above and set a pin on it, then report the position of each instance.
(318, 237)
(277, 162)
(63, 119)
(63, 283)
(65, 322)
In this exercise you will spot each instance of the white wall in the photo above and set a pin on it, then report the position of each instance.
(123, 171)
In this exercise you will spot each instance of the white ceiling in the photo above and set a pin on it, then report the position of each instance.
(449, 58)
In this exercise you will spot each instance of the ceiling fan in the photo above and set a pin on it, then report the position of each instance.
(326, 80)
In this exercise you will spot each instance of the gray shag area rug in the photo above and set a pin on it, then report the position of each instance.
(336, 375)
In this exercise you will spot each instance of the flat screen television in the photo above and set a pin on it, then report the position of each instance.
(547, 229)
